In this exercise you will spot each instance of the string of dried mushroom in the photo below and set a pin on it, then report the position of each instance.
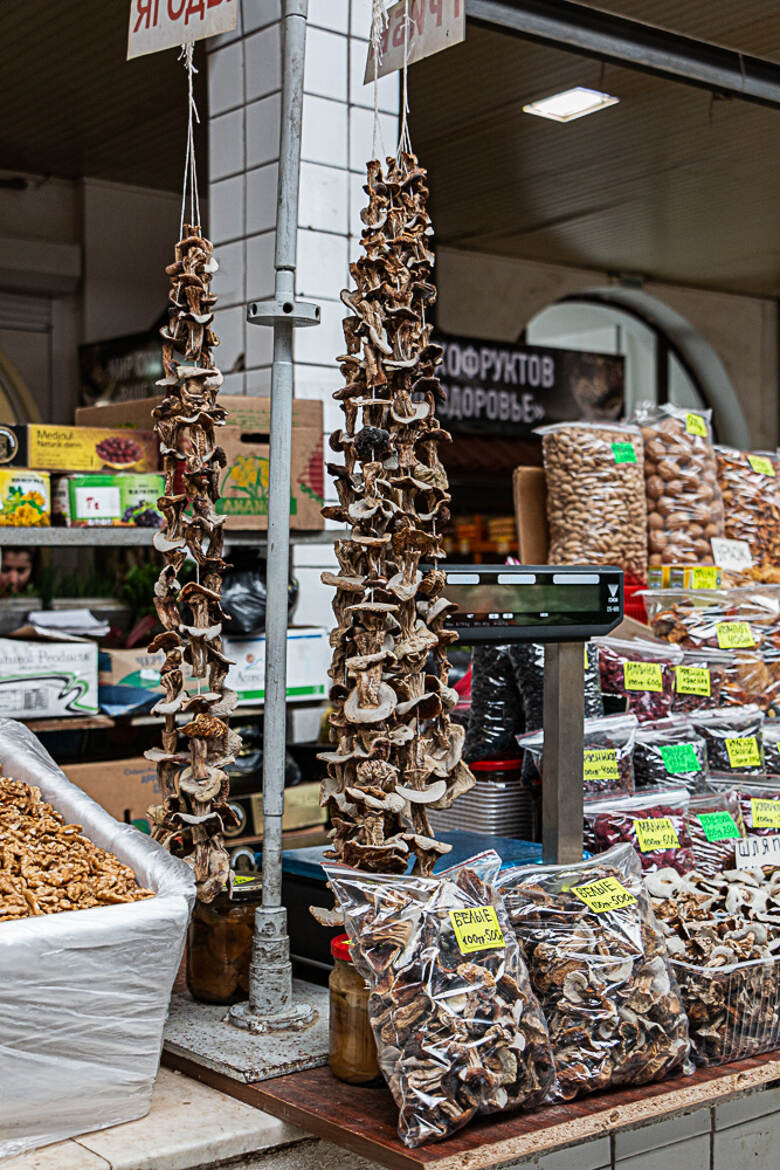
(193, 782)
(395, 752)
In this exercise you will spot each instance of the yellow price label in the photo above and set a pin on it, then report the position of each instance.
(600, 764)
(695, 424)
(743, 752)
(734, 635)
(605, 894)
(654, 833)
(643, 676)
(705, 577)
(240, 879)
(765, 814)
(692, 680)
(761, 464)
(477, 929)
(586, 663)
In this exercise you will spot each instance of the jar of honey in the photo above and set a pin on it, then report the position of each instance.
(220, 942)
(353, 1056)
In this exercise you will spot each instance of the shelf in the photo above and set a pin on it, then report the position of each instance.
(90, 722)
(138, 537)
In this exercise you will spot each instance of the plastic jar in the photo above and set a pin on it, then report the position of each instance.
(220, 943)
(352, 1056)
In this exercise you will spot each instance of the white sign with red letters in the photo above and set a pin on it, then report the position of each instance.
(433, 25)
(163, 24)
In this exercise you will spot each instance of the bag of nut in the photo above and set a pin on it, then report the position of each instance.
(750, 487)
(458, 1029)
(684, 505)
(598, 964)
(596, 510)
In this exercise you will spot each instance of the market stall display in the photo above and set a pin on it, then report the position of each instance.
(607, 753)
(642, 673)
(748, 482)
(669, 753)
(714, 822)
(652, 821)
(699, 679)
(733, 739)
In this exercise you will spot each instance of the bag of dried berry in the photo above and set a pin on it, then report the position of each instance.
(759, 803)
(527, 660)
(714, 821)
(653, 821)
(670, 753)
(640, 672)
(608, 747)
(733, 738)
(699, 679)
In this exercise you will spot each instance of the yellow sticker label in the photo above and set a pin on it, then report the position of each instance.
(692, 680)
(743, 752)
(765, 814)
(240, 879)
(643, 676)
(734, 635)
(654, 833)
(705, 577)
(600, 764)
(695, 424)
(761, 464)
(477, 929)
(605, 894)
(585, 648)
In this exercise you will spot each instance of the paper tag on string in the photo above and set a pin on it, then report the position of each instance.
(433, 25)
(167, 24)
(606, 894)
(477, 929)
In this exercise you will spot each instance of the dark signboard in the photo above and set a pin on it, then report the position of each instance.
(121, 368)
(503, 388)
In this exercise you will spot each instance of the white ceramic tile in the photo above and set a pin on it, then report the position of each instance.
(60, 1156)
(226, 78)
(226, 210)
(584, 1156)
(229, 326)
(258, 382)
(263, 62)
(693, 1154)
(333, 14)
(260, 270)
(360, 18)
(325, 72)
(262, 130)
(361, 137)
(323, 198)
(363, 95)
(322, 264)
(319, 383)
(321, 344)
(752, 1144)
(232, 384)
(324, 135)
(226, 145)
(358, 199)
(261, 198)
(259, 352)
(228, 281)
(663, 1133)
(745, 1108)
(259, 13)
(313, 556)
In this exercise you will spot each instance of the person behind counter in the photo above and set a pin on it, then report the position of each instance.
(17, 569)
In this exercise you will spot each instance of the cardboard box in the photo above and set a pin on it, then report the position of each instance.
(128, 680)
(308, 661)
(124, 788)
(118, 499)
(530, 492)
(45, 679)
(244, 481)
(25, 498)
(301, 808)
(78, 448)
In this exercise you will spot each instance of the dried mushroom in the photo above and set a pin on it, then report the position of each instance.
(458, 1029)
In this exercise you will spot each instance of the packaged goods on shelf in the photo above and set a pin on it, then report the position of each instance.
(770, 735)
(750, 488)
(308, 662)
(699, 680)
(597, 959)
(685, 577)
(670, 753)
(733, 738)
(108, 500)
(608, 748)
(527, 661)
(642, 673)
(128, 680)
(653, 821)
(124, 788)
(714, 822)
(759, 803)
(80, 448)
(25, 498)
(684, 505)
(595, 495)
(476, 1041)
(43, 679)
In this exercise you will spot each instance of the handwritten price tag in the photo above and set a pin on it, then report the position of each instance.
(679, 757)
(761, 464)
(692, 680)
(654, 833)
(705, 577)
(734, 635)
(696, 425)
(624, 452)
(754, 852)
(743, 752)
(765, 814)
(600, 764)
(477, 929)
(605, 894)
(718, 826)
(643, 676)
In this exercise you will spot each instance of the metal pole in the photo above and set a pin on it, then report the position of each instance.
(270, 977)
(562, 791)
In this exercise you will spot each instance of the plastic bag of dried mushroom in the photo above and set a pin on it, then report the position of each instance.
(458, 1029)
(749, 484)
(596, 512)
(598, 964)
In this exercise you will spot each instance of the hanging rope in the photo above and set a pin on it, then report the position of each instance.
(404, 139)
(378, 26)
(190, 184)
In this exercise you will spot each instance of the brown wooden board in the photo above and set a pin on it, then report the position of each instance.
(364, 1120)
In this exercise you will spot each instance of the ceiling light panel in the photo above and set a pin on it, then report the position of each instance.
(571, 104)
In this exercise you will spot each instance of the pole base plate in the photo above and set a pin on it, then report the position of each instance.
(297, 1017)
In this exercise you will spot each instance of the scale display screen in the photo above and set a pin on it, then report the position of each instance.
(530, 603)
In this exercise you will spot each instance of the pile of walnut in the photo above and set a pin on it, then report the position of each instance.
(47, 866)
(395, 752)
(192, 776)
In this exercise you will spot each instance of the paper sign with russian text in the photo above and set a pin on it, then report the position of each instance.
(433, 25)
(477, 929)
(754, 852)
(164, 24)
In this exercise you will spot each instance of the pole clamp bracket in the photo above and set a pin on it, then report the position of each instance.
(298, 313)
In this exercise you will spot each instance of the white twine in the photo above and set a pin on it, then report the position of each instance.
(378, 26)
(404, 139)
(190, 183)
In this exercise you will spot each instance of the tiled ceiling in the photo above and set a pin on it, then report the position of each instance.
(71, 105)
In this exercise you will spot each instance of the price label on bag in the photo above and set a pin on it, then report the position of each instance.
(734, 635)
(761, 464)
(696, 424)
(705, 577)
(624, 452)
(743, 752)
(654, 833)
(643, 676)
(755, 852)
(605, 894)
(477, 929)
(765, 814)
(679, 757)
(719, 826)
(734, 555)
(600, 764)
(692, 680)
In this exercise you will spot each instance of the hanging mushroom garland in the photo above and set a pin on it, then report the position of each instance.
(191, 763)
(395, 752)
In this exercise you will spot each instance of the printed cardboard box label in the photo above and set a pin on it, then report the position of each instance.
(477, 929)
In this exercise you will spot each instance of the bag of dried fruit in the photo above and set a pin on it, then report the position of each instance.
(652, 821)
(640, 672)
(669, 753)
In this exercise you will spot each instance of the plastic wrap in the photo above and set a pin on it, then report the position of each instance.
(459, 1031)
(733, 738)
(85, 993)
(642, 673)
(759, 803)
(714, 821)
(652, 821)
(608, 746)
(684, 505)
(733, 1011)
(749, 484)
(699, 680)
(527, 660)
(495, 717)
(595, 495)
(670, 753)
(598, 964)
(770, 735)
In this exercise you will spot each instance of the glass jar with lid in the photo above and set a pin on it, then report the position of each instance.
(353, 1056)
(220, 942)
